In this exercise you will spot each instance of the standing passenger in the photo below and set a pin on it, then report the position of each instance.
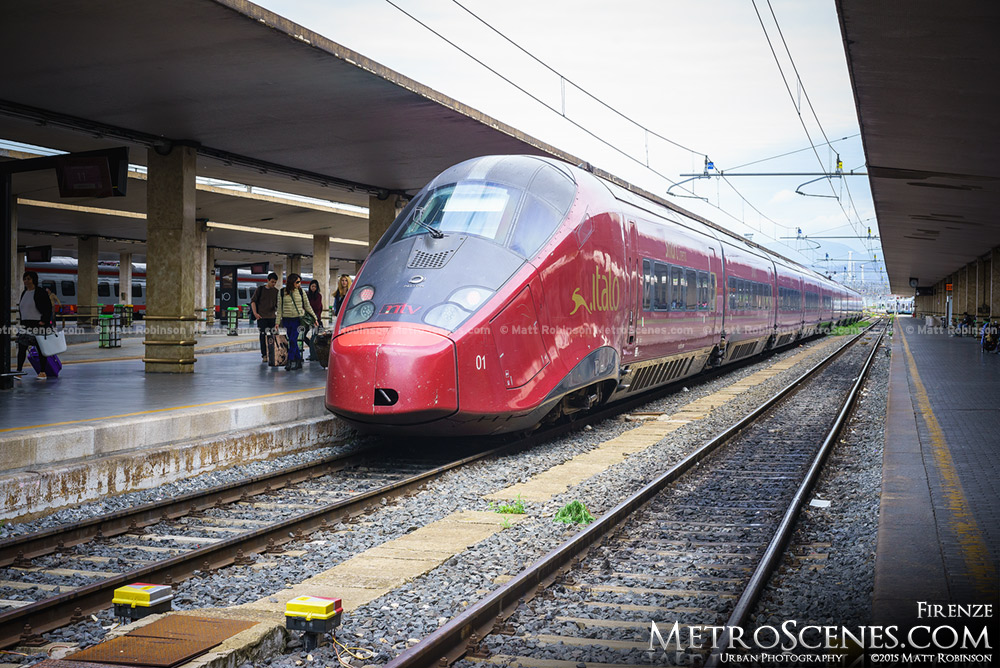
(343, 287)
(35, 309)
(293, 306)
(316, 303)
(264, 305)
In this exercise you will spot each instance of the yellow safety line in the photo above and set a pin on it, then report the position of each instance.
(162, 410)
(970, 538)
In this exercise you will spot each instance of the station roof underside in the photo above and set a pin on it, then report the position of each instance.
(921, 73)
(269, 103)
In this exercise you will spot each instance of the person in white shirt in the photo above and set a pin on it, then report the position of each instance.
(36, 316)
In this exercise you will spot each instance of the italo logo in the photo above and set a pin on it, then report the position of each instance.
(605, 294)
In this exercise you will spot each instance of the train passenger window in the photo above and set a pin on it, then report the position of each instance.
(136, 291)
(661, 293)
(647, 286)
(50, 286)
(218, 294)
(678, 288)
(691, 276)
(68, 288)
(243, 293)
(114, 286)
(103, 290)
(704, 291)
(733, 293)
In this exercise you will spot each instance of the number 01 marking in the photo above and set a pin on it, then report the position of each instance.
(480, 362)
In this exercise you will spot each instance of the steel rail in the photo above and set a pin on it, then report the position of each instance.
(47, 541)
(456, 637)
(57, 611)
(776, 547)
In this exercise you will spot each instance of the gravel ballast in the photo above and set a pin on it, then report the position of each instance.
(397, 620)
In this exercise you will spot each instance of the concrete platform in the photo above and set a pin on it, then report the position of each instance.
(106, 427)
(939, 523)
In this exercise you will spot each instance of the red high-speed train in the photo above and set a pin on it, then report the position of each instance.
(516, 289)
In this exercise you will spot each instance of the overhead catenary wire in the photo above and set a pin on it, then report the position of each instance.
(562, 114)
(531, 95)
(812, 109)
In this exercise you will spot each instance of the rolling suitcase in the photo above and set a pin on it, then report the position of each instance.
(321, 347)
(277, 349)
(52, 364)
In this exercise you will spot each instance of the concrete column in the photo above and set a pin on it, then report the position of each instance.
(171, 261)
(125, 278)
(321, 269)
(87, 306)
(970, 289)
(279, 269)
(294, 265)
(200, 296)
(994, 290)
(979, 300)
(381, 213)
(17, 263)
(209, 278)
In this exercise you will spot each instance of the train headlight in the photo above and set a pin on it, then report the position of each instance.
(360, 307)
(359, 313)
(470, 298)
(364, 293)
(446, 316)
(460, 305)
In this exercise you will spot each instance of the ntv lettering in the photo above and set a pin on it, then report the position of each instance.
(400, 309)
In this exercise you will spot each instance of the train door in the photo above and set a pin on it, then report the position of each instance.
(712, 319)
(634, 290)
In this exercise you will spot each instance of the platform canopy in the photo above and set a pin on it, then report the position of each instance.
(922, 73)
(269, 103)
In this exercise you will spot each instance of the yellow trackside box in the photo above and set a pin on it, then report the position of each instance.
(314, 614)
(139, 599)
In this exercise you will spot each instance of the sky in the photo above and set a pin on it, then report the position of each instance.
(687, 79)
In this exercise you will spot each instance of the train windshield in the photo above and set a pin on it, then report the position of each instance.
(500, 213)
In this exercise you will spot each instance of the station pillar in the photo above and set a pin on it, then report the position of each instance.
(381, 213)
(321, 267)
(200, 295)
(17, 260)
(279, 269)
(294, 265)
(87, 306)
(209, 278)
(171, 260)
(125, 278)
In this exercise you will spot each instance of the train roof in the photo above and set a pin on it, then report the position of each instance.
(648, 202)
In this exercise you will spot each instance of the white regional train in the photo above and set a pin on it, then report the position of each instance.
(60, 276)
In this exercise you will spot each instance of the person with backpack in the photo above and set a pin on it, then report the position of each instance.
(264, 306)
(296, 316)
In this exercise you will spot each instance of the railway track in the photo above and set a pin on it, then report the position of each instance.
(67, 571)
(72, 571)
(695, 546)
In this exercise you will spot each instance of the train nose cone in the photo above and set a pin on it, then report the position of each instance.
(392, 375)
